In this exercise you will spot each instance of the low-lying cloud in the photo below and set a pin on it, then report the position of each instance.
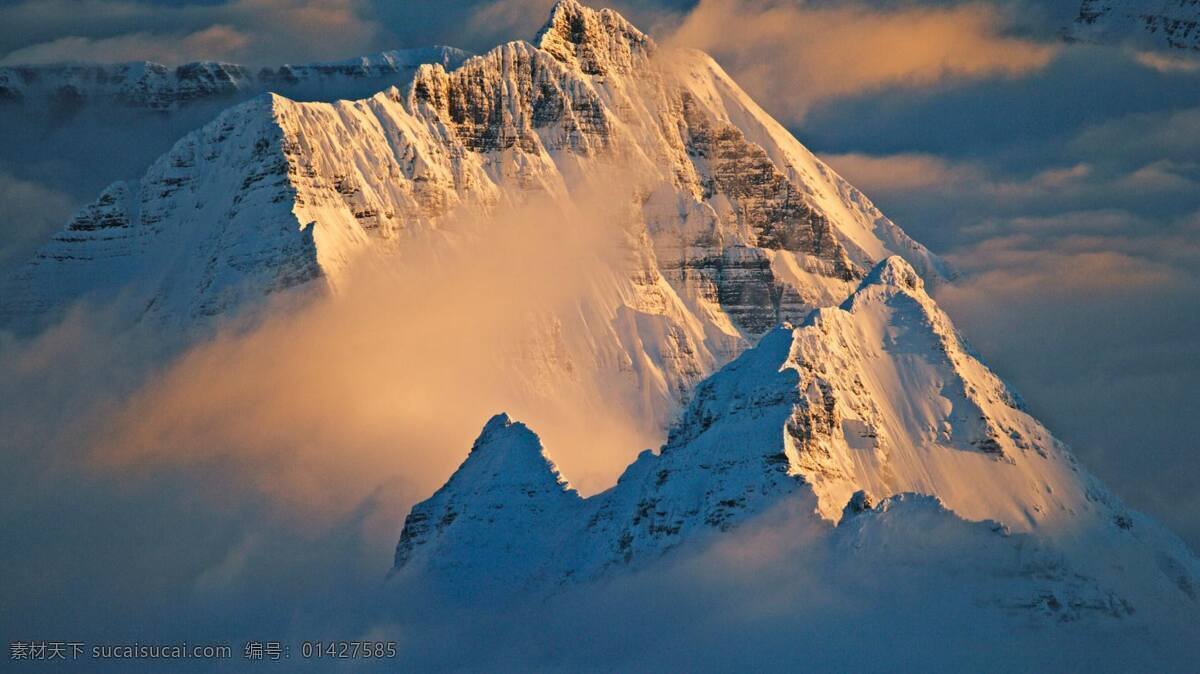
(1168, 62)
(786, 591)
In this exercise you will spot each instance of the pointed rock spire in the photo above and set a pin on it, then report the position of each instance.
(597, 42)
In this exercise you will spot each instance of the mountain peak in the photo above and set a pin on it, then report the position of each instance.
(495, 428)
(895, 271)
(891, 278)
(597, 42)
(508, 453)
(506, 483)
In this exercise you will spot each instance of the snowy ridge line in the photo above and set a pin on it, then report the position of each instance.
(154, 86)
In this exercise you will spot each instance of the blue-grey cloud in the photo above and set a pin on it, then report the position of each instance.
(255, 32)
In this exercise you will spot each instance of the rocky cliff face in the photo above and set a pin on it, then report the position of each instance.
(1172, 24)
(727, 224)
(867, 416)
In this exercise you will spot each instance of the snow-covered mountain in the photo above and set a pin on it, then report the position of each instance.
(154, 86)
(709, 226)
(869, 415)
(726, 223)
(1161, 23)
(70, 130)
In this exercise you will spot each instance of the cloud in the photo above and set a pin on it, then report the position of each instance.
(1023, 264)
(1167, 63)
(393, 377)
(29, 211)
(82, 540)
(1061, 232)
(970, 191)
(902, 172)
(784, 592)
(245, 31)
(827, 50)
(158, 47)
(1159, 135)
(791, 56)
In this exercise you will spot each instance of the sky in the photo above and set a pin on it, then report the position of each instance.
(1060, 179)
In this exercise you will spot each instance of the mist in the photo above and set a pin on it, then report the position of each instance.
(253, 484)
(912, 589)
